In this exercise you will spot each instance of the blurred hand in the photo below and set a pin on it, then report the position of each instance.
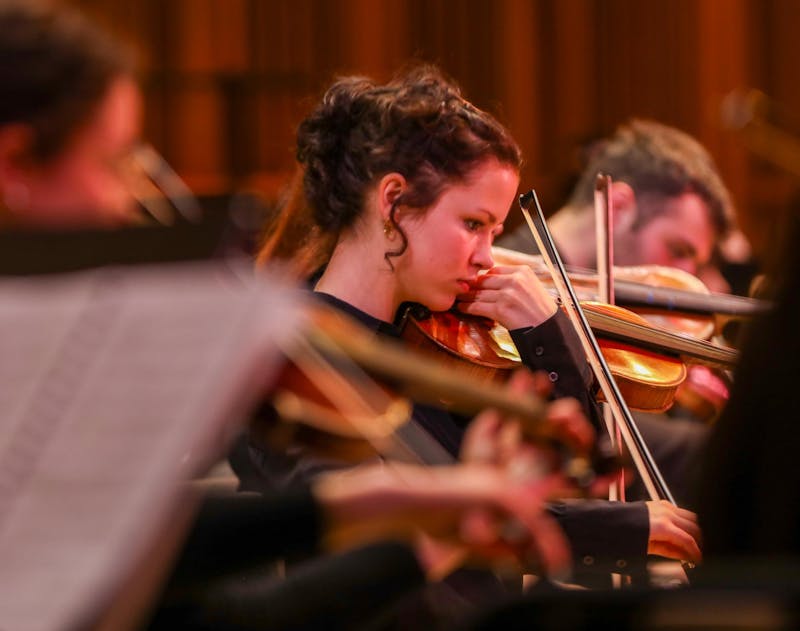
(493, 439)
(475, 507)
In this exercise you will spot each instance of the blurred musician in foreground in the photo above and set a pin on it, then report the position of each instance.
(749, 479)
(482, 509)
(69, 121)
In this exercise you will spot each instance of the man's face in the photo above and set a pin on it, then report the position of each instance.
(681, 235)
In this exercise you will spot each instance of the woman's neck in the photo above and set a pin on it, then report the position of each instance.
(353, 275)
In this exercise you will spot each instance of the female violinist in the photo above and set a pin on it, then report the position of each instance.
(407, 185)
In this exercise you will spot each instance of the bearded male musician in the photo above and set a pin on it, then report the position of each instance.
(670, 205)
(671, 208)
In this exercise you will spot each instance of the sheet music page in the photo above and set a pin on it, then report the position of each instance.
(115, 386)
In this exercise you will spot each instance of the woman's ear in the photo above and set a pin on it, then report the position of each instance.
(391, 186)
(623, 200)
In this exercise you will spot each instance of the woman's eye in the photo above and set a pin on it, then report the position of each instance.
(473, 224)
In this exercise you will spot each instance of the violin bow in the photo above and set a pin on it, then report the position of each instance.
(604, 230)
(603, 213)
(648, 470)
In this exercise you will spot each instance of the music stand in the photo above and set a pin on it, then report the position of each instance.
(226, 227)
(117, 385)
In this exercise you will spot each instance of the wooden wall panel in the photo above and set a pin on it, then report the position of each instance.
(228, 80)
(519, 93)
(721, 67)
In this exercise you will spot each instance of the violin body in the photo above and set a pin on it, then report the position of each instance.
(349, 429)
(672, 300)
(698, 325)
(467, 343)
(647, 380)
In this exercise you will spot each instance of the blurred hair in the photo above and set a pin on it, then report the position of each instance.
(55, 67)
(657, 162)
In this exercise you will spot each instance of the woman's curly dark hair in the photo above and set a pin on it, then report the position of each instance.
(417, 125)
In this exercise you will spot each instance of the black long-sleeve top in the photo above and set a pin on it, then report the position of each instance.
(604, 535)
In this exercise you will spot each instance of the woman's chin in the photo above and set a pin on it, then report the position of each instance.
(443, 304)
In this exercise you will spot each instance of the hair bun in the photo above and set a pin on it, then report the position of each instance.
(324, 149)
(417, 125)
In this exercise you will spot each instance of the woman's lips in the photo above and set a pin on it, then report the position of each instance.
(465, 286)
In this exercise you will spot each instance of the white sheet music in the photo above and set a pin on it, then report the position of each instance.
(115, 385)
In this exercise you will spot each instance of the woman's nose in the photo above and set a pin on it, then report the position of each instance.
(482, 256)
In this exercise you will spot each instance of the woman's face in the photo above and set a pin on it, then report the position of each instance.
(88, 184)
(450, 243)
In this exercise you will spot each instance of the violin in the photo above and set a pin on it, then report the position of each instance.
(333, 414)
(673, 300)
(666, 297)
(649, 364)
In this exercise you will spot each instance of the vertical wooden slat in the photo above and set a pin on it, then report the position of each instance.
(519, 84)
(229, 79)
(722, 68)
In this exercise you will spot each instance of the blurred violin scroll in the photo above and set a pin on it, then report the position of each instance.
(748, 112)
(345, 384)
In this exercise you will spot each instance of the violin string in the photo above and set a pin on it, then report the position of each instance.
(688, 348)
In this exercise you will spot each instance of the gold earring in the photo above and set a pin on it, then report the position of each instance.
(388, 229)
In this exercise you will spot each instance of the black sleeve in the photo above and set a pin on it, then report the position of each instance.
(605, 536)
(554, 347)
(264, 467)
(347, 591)
(234, 531)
